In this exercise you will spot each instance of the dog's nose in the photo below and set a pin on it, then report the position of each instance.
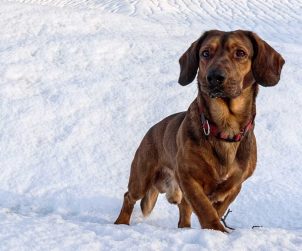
(215, 77)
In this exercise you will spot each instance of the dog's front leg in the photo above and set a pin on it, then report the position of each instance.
(185, 212)
(221, 207)
(202, 206)
(227, 187)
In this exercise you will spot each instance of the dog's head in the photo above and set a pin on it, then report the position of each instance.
(228, 62)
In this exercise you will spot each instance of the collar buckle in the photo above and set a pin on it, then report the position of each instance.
(205, 125)
(208, 130)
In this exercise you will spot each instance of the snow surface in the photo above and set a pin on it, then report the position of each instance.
(81, 83)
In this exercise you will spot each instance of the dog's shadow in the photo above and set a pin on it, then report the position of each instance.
(98, 209)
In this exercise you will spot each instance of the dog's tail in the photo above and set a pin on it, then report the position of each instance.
(149, 200)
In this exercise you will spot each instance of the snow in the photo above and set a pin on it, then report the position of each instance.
(81, 83)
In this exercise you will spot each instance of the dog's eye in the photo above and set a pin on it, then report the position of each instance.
(240, 54)
(205, 53)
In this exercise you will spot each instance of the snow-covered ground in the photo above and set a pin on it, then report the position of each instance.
(82, 81)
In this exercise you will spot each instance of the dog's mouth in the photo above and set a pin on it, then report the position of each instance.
(229, 90)
(223, 92)
(217, 94)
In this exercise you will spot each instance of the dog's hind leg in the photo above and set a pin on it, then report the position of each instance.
(126, 211)
(140, 182)
(185, 212)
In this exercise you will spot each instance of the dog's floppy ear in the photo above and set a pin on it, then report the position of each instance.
(267, 63)
(189, 62)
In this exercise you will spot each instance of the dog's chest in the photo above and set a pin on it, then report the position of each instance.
(224, 172)
(227, 161)
(226, 152)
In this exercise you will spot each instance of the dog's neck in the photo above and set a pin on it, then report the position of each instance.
(230, 115)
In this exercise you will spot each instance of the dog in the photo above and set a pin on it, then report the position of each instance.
(201, 157)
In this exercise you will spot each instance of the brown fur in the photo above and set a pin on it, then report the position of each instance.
(199, 173)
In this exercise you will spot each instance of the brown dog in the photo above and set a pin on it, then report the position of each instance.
(200, 158)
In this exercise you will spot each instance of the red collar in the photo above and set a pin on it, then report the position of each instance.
(210, 128)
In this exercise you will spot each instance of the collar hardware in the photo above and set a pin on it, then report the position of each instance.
(211, 129)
